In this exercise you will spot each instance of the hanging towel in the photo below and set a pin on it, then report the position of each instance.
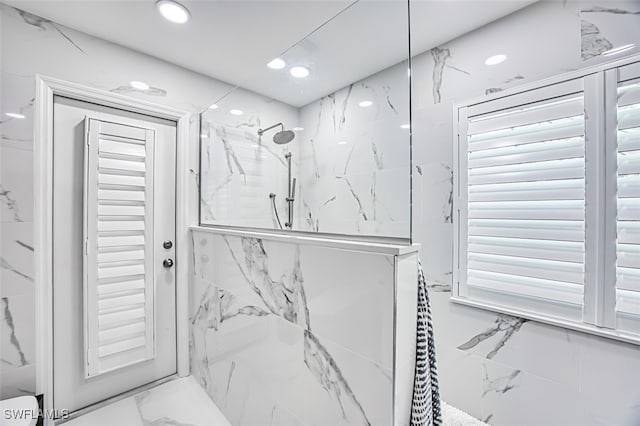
(425, 408)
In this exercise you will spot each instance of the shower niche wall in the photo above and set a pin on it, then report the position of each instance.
(349, 118)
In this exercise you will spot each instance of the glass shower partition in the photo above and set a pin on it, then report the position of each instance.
(343, 94)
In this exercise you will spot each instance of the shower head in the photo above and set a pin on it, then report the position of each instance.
(282, 137)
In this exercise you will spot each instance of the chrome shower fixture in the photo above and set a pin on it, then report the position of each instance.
(282, 137)
(291, 193)
(290, 198)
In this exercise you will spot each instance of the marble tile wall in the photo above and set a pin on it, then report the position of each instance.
(299, 333)
(357, 159)
(29, 45)
(502, 369)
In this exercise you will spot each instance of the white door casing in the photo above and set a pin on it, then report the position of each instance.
(46, 89)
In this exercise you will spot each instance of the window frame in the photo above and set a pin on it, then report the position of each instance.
(599, 86)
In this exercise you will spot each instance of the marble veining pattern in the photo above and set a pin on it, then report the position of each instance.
(286, 298)
(9, 202)
(325, 369)
(128, 89)
(179, 402)
(45, 25)
(162, 421)
(593, 42)
(355, 155)
(614, 10)
(505, 324)
(262, 294)
(499, 385)
(8, 267)
(7, 317)
(440, 57)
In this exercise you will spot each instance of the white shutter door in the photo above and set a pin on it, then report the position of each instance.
(524, 213)
(118, 277)
(628, 224)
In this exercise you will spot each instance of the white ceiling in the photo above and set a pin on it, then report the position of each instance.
(232, 40)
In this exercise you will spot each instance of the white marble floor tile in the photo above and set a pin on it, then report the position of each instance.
(180, 402)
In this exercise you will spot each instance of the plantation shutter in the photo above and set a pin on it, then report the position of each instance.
(522, 197)
(118, 234)
(628, 221)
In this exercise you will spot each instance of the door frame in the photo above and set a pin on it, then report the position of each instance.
(46, 89)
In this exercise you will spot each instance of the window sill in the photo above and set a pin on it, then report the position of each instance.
(558, 322)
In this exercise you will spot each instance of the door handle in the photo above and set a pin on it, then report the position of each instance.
(167, 263)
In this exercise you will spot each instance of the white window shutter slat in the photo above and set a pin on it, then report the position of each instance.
(118, 232)
(524, 201)
(628, 220)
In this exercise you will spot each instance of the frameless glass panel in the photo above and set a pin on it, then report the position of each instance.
(318, 139)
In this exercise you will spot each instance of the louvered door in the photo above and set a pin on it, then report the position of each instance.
(119, 288)
(628, 183)
(114, 301)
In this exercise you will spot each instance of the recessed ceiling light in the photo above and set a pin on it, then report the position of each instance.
(618, 50)
(255, 145)
(277, 64)
(495, 59)
(14, 115)
(213, 106)
(405, 126)
(342, 143)
(236, 112)
(299, 71)
(365, 104)
(173, 11)
(298, 129)
(140, 85)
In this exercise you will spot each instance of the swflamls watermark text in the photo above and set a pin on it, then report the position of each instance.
(24, 414)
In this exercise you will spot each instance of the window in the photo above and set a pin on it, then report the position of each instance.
(547, 196)
(628, 201)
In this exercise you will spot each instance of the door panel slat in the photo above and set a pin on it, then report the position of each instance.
(119, 277)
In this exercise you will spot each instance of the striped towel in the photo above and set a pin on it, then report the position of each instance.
(425, 408)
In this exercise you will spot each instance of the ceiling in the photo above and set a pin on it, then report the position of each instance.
(232, 40)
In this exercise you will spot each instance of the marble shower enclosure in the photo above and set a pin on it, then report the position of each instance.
(300, 334)
(352, 163)
(239, 169)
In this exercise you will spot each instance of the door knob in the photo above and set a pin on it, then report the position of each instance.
(167, 245)
(167, 263)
